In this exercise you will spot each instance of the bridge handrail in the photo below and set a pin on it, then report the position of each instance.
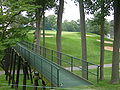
(63, 53)
(30, 45)
(24, 51)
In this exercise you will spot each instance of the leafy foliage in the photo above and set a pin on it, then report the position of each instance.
(71, 26)
(50, 22)
(93, 25)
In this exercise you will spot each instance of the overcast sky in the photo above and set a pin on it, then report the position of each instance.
(71, 12)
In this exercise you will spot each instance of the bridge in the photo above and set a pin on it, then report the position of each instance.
(44, 61)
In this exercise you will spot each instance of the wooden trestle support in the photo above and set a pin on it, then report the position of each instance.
(12, 63)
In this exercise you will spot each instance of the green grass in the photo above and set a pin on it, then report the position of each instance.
(71, 44)
(4, 83)
(102, 85)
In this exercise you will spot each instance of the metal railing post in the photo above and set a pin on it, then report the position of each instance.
(87, 70)
(34, 60)
(97, 74)
(60, 59)
(45, 52)
(40, 50)
(58, 77)
(51, 74)
(41, 65)
(71, 64)
(51, 55)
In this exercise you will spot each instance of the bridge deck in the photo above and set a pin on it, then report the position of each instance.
(53, 72)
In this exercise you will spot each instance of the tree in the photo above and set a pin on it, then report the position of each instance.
(93, 25)
(102, 7)
(102, 41)
(10, 9)
(59, 29)
(38, 15)
(83, 38)
(116, 44)
(50, 22)
(71, 26)
(42, 6)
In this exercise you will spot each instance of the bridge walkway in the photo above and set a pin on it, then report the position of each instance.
(57, 75)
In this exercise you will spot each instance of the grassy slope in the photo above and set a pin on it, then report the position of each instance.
(71, 44)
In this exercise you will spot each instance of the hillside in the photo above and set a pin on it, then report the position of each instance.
(71, 44)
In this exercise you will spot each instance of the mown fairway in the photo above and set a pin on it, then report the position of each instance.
(71, 44)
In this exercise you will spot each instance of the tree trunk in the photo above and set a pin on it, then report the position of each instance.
(102, 43)
(38, 31)
(43, 29)
(116, 44)
(59, 30)
(83, 39)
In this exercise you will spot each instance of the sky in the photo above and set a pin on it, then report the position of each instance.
(71, 12)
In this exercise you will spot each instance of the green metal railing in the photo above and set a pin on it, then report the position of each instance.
(50, 71)
(68, 62)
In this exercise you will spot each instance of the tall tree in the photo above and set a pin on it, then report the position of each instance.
(102, 41)
(83, 38)
(59, 29)
(42, 6)
(116, 43)
(95, 22)
(102, 6)
(38, 16)
(43, 29)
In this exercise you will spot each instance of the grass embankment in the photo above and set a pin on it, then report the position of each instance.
(71, 44)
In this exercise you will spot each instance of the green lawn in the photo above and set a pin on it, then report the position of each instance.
(4, 84)
(71, 44)
(105, 84)
(102, 85)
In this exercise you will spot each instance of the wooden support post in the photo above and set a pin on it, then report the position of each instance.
(27, 71)
(36, 78)
(13, 75)
(11, 63)
(18, 72)
(24, 72)
(7, 62)
(43, 84)
(31, 78)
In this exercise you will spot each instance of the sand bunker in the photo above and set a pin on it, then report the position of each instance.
(105, 41)
(109, 48)
(47, 36)
(90, 35)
